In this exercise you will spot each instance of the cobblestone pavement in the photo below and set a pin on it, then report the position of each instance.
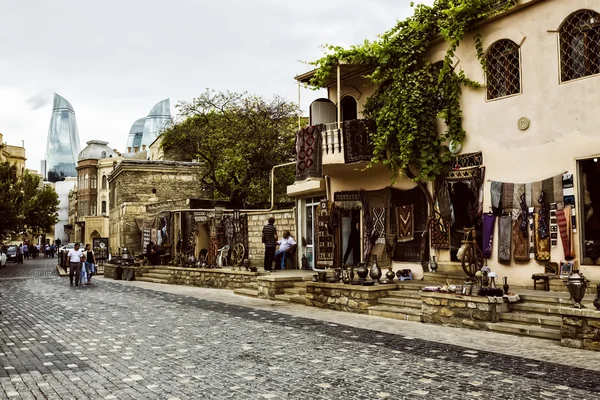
(119, 341)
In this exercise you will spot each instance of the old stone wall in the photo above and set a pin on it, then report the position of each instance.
(580, 329)
(461, 311)
(269, 286)
(211, 278)
(284, 221)
(337, 296)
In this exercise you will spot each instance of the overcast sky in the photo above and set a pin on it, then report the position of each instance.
(113, 60)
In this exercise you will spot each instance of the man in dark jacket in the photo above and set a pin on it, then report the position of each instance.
(269, 238)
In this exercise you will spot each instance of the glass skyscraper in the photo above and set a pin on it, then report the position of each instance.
(62, 147)
(156, 121)
(135, 135)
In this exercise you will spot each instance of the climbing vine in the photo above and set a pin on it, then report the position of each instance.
(412, 93)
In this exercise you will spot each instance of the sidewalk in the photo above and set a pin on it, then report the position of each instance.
(529, 348)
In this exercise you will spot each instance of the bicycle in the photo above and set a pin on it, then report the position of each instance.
(472, 257)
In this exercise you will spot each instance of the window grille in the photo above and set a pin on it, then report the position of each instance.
(503, 72)
(579, 39)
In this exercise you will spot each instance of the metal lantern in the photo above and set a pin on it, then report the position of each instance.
(577, 285)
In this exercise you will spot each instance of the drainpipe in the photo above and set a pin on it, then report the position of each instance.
(339, 95)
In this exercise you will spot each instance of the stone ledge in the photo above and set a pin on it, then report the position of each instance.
(357, 288)
(452, 296)
(580, 312)
(271, 278)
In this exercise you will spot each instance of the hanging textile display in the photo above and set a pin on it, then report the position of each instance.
(325, 240)
(409, 250)
(542, 245)
(309, 151)
(563, 218)
(508, 190)
(440, 231)
(553, 226)
(507, 196)
(504, 238)
(405, 223)
(489, 222)
(357, 146)
(520, 245)
(347, 200)
(496, 196)
(379, 223)
(467, 160)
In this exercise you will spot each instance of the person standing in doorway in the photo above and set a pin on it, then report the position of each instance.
(353, 246)
(269, 238)
(76, 257)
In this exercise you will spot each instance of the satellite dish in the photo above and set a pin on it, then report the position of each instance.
(455, 147)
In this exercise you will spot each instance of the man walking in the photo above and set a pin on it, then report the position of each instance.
(20, 254)
(269, 238)
(76, 257)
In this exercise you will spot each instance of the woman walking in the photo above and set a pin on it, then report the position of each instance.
(90, 263)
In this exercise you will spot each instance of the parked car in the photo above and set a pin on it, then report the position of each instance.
(11, 253)
(66, 247)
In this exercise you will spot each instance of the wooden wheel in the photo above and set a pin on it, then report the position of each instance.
(472, 260)
(239, 251)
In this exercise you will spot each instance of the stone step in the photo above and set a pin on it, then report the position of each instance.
(413, 285)
(300, 284)
(525, 330)
(558, 285)
(400, 302)
(153, 280)
(155, 275)
(553, 300)
(405, 294)
(387, 311)
(250, 285)
(439, 278)
(534, 308)
(547, 321)
(295, 290)
(246, 292)
(450, 267)
(160, 271)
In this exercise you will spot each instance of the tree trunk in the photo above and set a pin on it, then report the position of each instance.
(430, 216)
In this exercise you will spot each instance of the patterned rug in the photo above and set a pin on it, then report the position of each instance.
(357, 145)
(405, 223)
(309, 150)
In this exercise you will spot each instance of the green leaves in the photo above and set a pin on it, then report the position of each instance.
(238, 138)
(412, 92)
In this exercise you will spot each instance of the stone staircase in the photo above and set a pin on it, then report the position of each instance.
(295, 294)
(536, 315)
(248, 289)
(155, 275)
(403, 304)
(450, 272)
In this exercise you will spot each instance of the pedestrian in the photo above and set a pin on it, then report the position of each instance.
(2, 257)
(353, 246)
(269, 238)
(52, 250)
(90, 263)
(26, 251)
(47, 251)
(20, 254)
(76, 257)
(286, 244)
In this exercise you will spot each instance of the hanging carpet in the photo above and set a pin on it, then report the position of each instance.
(405, 223)
(563, 217)
(309, 151)
(504, 236)
(542, 246)
(489, 222)
(357, 145)
(520, 244)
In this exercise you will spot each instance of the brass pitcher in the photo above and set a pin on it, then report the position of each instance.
(577, 286)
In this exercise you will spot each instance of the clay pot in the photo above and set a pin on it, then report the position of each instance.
(375, 271)
(390, 275)
(505, 286)
(362, 271)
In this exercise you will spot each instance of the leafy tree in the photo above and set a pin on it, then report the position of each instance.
(56, 176)
(40, 206)
(238, 138)
(11, 199)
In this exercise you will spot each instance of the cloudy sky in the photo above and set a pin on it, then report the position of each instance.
(113, 60)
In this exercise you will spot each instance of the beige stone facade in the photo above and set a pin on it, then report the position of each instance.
(136, 183)
(15, 155)
(284, 221)
(546, 128)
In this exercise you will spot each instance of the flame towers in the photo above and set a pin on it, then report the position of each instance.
(63, 141)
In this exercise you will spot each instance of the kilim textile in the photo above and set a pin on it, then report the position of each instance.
(496, 196)
(548, 189)
(347, 200)
(558, 189)
(467, 160)
(536, 192)
(508, 191)
(563, 217)
(542, 246)
(357, 144)
(520, 245)
(489, 222)
(518, 190)
(309, 151)
(409, 251)
(504, 236)
(405, 223)
(442, 198)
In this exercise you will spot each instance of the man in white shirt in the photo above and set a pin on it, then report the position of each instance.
(2, 258)
(76, 257)
(286, 244)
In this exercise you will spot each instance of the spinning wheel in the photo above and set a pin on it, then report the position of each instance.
(472, 257)
(239, 251)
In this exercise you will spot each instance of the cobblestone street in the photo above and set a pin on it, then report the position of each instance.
(114, 340)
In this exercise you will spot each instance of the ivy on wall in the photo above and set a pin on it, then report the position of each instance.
(412, 93)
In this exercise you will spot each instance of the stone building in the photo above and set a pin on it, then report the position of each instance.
(531, 121)
(15, 155)
(134, 184)
(284, 221)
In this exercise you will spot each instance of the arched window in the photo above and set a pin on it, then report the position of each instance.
(503, 69)
(349, 108)
(104, 182)
(103, 207)
(579, 39)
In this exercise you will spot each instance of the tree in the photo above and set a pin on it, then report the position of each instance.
(40, 206)
(11, 200)
(238, 138)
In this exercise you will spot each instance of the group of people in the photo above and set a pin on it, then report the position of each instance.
(82, 264)
(287, 244)
(27, 250)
